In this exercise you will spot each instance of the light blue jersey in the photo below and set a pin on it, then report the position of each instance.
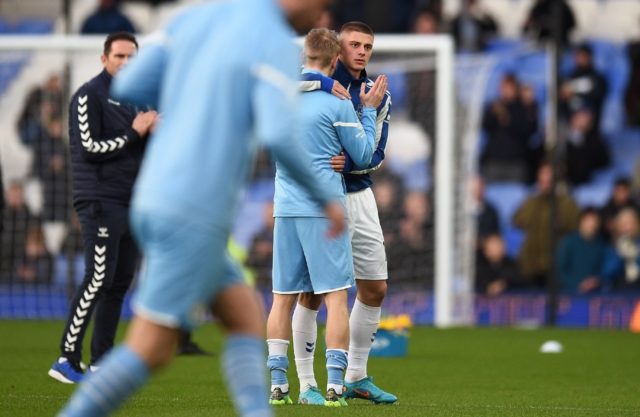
(329, 126)
(223, 74)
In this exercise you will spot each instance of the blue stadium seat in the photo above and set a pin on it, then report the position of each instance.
(507, 197)
(4, 26)
(498, 45)
(513, 240)
(593, 194)
(33, 26)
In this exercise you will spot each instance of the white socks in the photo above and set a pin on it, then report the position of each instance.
(305, 334)
(278, 348)
(363, 324)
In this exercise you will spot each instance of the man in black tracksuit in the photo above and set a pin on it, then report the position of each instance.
(107, 141)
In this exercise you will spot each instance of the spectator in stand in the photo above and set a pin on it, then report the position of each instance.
(389, 192)
(585, 87)
(534, 218)
(539, 23)
(51, 167)
(586, 152)
(415, 245)
(621, 269)
(327, 20)
(495, 271)
(580, 256)
(44, 103)
(473, 27)
(2, 204)
(108, 18)
(421, 85)
(427, 22)
(620, 199)
(487, 220)
(36, 266)
(509, 122)
(18, 221)
(632, 93)
(260, 258)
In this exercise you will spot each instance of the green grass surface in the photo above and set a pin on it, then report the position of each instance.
(461, 372)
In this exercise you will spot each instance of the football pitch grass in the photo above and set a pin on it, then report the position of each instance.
(458, 372)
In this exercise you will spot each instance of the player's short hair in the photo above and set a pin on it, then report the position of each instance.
(118, 36)
(356, 26)
(321, 46)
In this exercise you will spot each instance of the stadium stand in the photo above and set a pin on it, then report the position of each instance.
(606, 25)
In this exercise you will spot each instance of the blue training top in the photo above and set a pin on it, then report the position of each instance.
(356, 176)
(328, 126)
(222, 74)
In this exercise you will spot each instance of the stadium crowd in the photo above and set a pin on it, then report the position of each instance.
(40, 242)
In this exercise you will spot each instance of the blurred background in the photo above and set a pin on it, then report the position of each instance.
(547, 181)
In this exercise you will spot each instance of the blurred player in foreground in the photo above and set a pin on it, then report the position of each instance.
(215, 101)
(304, 260)
(369, 258)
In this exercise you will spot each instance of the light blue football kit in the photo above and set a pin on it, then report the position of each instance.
(223, 75)
(304, 260)
(221, 99)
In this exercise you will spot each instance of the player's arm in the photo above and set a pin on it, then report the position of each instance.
(139, 82)
(313, 81)
(85, 122)
(382, 130)
(357, 139)
(274, 102)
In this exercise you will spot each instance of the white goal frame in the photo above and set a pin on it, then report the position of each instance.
(447, 296)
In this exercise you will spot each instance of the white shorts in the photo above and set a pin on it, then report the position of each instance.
(367, 241)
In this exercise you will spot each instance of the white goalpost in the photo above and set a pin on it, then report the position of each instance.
(452, 272)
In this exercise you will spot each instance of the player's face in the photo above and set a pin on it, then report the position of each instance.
(356, 49)
(121, 51)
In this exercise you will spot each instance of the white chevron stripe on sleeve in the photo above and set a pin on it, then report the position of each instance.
(88, 143)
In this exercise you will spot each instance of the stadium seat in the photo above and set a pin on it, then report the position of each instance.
(33, 26)
(513, 240)
(593, 194)
(507, 198)
(4, 26)
(500, 45)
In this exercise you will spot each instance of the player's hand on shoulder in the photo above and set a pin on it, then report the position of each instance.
(335, 213)
(339, 91)
(374, 96)
(338, 162)
(144, 121)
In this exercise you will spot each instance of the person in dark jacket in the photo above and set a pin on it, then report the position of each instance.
(495, 271)
(108, 18)
(1, 200)
(487, 219)
(621, 269)
(509, 122)
(473, 27)
(586, 151)
(107, 141)
(584, 87)
(580, 255)
(620, 199)
(539, 23)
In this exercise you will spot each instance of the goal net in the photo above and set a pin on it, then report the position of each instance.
(422, 189)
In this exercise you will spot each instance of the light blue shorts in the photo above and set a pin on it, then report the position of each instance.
(185, 266)
(306, 260)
